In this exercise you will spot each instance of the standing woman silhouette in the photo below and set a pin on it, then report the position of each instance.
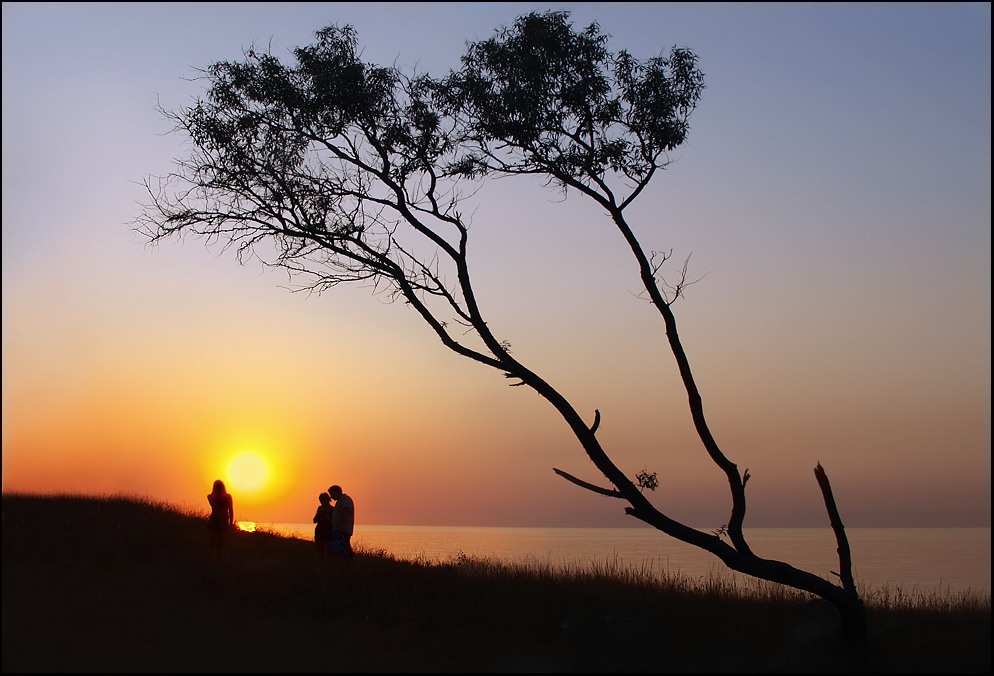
(221, 520)
(325, 528)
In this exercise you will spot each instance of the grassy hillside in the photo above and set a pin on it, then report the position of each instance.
(113, 584)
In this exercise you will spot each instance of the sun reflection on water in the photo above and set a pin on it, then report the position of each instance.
(247, 526)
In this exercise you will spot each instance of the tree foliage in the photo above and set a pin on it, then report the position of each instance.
(541, 98)
(339, 171)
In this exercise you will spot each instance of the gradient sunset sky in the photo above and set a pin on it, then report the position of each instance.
(834, 194)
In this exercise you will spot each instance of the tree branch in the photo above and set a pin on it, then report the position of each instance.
(845, 556)
(611, 493)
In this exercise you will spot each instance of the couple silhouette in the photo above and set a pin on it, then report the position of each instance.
(334, 525)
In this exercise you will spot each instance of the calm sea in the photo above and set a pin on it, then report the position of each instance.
(930, 559)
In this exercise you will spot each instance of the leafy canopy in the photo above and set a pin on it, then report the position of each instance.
(539, 97)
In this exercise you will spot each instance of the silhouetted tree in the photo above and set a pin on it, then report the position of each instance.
(341, 171)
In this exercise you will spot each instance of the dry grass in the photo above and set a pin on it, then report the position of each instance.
(124, 584)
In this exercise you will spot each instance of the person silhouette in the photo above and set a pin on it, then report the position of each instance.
(325, 525)
(221, 519)
(343, 523)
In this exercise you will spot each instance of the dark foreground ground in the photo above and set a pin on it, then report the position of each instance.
(96, 585)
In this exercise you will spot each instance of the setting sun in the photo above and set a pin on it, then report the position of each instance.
(248, 472)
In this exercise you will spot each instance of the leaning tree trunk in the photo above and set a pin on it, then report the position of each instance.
(738, 556)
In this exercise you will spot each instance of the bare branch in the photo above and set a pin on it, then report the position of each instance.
(610, 492)
(845, 556)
